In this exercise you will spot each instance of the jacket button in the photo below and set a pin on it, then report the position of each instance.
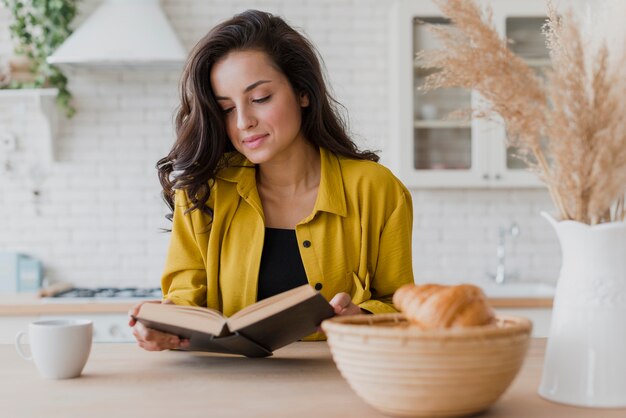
(318, 286)
(307, 244)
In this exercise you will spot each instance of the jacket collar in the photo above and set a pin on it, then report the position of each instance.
(330, 196)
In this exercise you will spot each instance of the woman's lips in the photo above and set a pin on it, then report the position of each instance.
(255, 141)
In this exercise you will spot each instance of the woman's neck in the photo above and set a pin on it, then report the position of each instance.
(295, 173)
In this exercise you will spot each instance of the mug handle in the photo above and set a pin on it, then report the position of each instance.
(18, 345)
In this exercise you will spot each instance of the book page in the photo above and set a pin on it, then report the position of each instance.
(199, 310)
(191, 317)
(270, 306)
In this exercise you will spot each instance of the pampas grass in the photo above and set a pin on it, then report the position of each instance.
(569, 129)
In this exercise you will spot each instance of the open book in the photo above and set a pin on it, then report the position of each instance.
(255, 331)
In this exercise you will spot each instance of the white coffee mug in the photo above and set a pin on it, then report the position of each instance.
(60, 348)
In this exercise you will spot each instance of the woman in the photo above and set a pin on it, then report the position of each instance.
(267, 190)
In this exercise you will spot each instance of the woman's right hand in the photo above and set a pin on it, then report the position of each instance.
(150, 339)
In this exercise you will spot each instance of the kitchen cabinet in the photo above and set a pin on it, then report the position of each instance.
(540, 317)
(431, 150)
(11, 325)
(107, 327)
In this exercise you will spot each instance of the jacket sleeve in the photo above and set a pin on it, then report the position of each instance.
(184, 279)
(394, 266)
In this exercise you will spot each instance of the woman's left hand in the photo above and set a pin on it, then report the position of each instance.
(342, 304)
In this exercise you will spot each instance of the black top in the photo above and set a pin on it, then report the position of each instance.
(281, 264)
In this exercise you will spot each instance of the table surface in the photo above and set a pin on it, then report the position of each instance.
(300, 380)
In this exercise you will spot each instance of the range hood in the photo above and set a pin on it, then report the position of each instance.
(123, 33)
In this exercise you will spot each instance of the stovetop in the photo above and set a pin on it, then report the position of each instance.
(105, 294)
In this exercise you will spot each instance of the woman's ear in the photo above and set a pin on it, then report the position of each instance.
(304, 100)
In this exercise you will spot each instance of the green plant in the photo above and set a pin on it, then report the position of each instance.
(39, 27)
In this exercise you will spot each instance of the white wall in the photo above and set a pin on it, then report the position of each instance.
(100, 210)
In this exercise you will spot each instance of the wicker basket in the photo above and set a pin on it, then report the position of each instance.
(402, 370)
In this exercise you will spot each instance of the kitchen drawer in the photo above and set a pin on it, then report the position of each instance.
(107, 328)
(11, 325)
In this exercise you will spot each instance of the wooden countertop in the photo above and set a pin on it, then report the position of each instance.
(30, 304)
(301, 380)
(521, 302)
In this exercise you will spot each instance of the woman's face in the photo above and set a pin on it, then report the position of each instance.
(261, 111)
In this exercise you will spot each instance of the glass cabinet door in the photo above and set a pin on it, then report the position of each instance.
(440, 142)
(521, 23)
(528, 42)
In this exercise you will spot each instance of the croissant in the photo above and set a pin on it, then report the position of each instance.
(432, 306)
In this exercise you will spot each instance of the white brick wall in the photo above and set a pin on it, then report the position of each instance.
(100, 210)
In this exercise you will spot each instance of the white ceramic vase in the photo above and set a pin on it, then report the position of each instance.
(585, 363)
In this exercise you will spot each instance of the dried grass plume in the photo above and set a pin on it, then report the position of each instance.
(570, 129)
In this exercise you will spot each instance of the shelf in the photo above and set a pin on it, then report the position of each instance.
(45, 101)
(423, 72)
(439, 124)
(538, 62)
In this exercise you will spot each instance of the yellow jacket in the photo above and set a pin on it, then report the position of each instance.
(356, 240)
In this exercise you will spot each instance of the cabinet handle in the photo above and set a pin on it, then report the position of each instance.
(485, 176)
(498, 176)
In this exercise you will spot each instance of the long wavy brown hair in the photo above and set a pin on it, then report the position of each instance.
(202, 144)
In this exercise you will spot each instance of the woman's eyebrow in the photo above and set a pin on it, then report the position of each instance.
(247, 89)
